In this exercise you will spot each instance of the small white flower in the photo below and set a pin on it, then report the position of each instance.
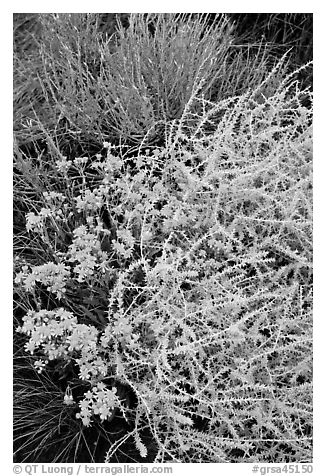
(68, 398)
(80, 160)
(63, 164)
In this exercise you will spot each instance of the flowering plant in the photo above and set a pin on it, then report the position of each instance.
(184, 275)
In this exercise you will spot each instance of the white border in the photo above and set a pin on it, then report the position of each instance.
(319, 195)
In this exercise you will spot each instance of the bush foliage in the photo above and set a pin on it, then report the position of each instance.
(168, 284)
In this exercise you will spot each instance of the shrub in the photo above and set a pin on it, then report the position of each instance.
(184, 276)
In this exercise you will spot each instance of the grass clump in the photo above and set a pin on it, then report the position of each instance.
(164, 285)
(128, 85)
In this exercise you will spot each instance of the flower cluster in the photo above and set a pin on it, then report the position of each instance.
(55, 209)
(99, 401)
(48, 332)
(80, 161)
(85, 252)
(63, 165)
(56, 334)
(84, 340)
(52, 197)
(89, 201)
(53, 276)
(35, 222)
